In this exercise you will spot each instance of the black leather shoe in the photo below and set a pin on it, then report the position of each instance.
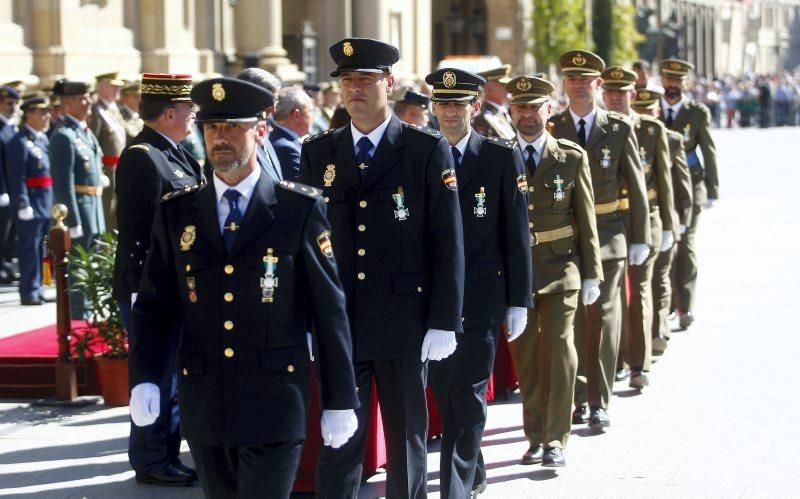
(189, 471)
(32, 301)
(659, 345)
(533, 455)
(479, 489)
(580, 415)
(599, 418)
(638, 380)
(553, 458)
(46, 299)
(168, 476)
(685, 319)
(622, 374)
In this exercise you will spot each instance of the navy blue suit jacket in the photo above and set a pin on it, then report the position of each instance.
(288, 150)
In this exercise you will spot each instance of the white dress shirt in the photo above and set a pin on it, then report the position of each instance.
(374, 136)
(676, 108)
(462, 144)
(538, 147)
(245, 188)
(589, 119)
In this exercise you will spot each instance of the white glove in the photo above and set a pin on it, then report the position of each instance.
(667, 240)
(516, 320)
(681, 229)
(105, 181)
(76, 232)
(638, 253)
(133, 298)
(310, 341)
(25, 214)
(4, 200)
(145, 404)
(338, 426)
(590, 291)
(709, 203)
(438, 344)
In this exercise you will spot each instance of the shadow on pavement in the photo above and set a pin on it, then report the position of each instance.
(46, 476)
(70, 451)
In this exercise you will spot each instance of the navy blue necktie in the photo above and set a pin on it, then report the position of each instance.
(234, 218)
(530, 162)
(362, 154)
(670, 119)
(582, 133)
(456, 156)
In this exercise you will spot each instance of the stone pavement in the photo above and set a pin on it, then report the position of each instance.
(719, 419)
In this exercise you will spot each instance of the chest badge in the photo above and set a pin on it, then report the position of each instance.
(269, 282)
(605, 160)
(191, 285)
(686, 132)
(330, 175)
(401, 213)
(480, 210)
(188, 237)
(559, 194)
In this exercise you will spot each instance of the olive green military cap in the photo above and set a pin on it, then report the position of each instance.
(581, 63)
(647, 97)
(529, 90)
(112, 78)
(675, 68)
(500, 74)
(618, 78)
(131, 87)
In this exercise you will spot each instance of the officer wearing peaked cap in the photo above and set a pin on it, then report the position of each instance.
(413, 108)
(395, 223)
(154, 165)
(647, 102)
(565, 252)
(498, 280)
(494, 120)
(30, 186)
(241, 264)
(691, 119)
(129, 101)
(610, 143)
(618, 92)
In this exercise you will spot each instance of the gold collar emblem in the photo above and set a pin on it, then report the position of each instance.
(449, 79)
(188, 237)
(348, 50)
(579, 60)
(524, 85)
(218, 92)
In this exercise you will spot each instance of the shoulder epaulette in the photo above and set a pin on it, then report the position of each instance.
(570, 144)
(305, 190)
(508, 143)
(424, 129)
(317, 136)
(179, 193)
(140, 146)
(618, 116)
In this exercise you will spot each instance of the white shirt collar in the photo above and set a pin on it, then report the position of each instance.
(374, 136)
(35, 133)
(245, 188)
(462, 144)
(589, 119)
(171, 142)
(497, 106)
(81, 124)
(538, 144)
(676, 108)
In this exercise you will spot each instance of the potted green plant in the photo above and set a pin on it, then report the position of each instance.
(104, 336)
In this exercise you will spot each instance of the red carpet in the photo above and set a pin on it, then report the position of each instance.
(42, 342)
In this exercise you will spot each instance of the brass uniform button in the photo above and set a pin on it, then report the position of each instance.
(362, 252)
(229, 352)
(185, 372)
(228, 325)
(228, 297)
(188, 268)
(362, 276)
(327, 199)
(362, 203)
(530, 206)
(290, 368)
(362, 228)
(419, 289)
(229, 269)
(530, 224)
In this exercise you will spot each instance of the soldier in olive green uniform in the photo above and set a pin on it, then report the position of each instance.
(129, 98)
(618, 84)
(108, 126)
(693, 120)
(565, 250)
(613, 153)
(494, 120)
(646, 103)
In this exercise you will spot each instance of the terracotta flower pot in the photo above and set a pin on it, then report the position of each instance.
(113, 377)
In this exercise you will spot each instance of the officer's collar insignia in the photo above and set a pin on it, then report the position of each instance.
(449, 79)
(330, 175)
(348, 49)
(449, 179)
(579, 60)
(524, 85)
(218, 92)
(188, 237)
(178, 173)
(324, 242)
(522, 183)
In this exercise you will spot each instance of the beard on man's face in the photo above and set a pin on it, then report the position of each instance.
(230, 161)
(672, 92)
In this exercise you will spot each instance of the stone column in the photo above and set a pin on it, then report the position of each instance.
(337, 23)
(17, 58)
(167, 38)
(259, 38)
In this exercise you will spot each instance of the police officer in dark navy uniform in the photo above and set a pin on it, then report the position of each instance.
(498, 285)
(240, 265)
(9, 102)
(31, 188)
(153, 166)
(395, 223)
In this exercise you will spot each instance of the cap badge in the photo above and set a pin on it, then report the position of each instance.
(449, 79)
(348, 50)
(644, 95)
(524, 85)
(675, 65)
(579, 60)
(617, 74)
(218, 92)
